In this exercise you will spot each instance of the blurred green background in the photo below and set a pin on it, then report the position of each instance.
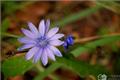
(95, 26)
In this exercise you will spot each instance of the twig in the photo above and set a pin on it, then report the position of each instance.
(84, 40)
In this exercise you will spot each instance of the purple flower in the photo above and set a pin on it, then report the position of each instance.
(69, 41)
(41, 42)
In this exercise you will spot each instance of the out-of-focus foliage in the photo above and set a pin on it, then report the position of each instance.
(15, 66)
(12, 6)
(92, 45)
(48, 71)
(76, 16)
(5, 25)
(117, 66)
(81, 68)
(111, 5)
(103, 30)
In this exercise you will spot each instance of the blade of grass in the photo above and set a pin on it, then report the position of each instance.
(76, 16)
(110, 5)
(10, 35)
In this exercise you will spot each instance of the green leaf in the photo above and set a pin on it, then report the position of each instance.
(15, 66)
(75, 16)
(92, 45)
(82, 68)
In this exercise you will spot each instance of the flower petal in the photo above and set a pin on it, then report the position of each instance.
(31, 52)
(52, 32)
(44, 58)
(28, 33)
(26, 46)
(26, 40)
(33, 28)
(55, 51)
(56, 42)
(70, 40)
(42, 27)
(50, 54)
(37, 55)
(57, 36)
(47, 25)
(65, 45)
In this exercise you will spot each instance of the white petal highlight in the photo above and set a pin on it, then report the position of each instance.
(47, 25)
(57, 36)
(26, 46)
(37, 55)
(55, 51)
(44, 58)
(50, 54)
(33, 28)
(28, 33)
(56, 42)
(52, 32)
(31, 52)
(42, 27)
(26, 40)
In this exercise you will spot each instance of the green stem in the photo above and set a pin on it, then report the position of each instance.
(10, 35)
(39, 67)
(54, 77)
